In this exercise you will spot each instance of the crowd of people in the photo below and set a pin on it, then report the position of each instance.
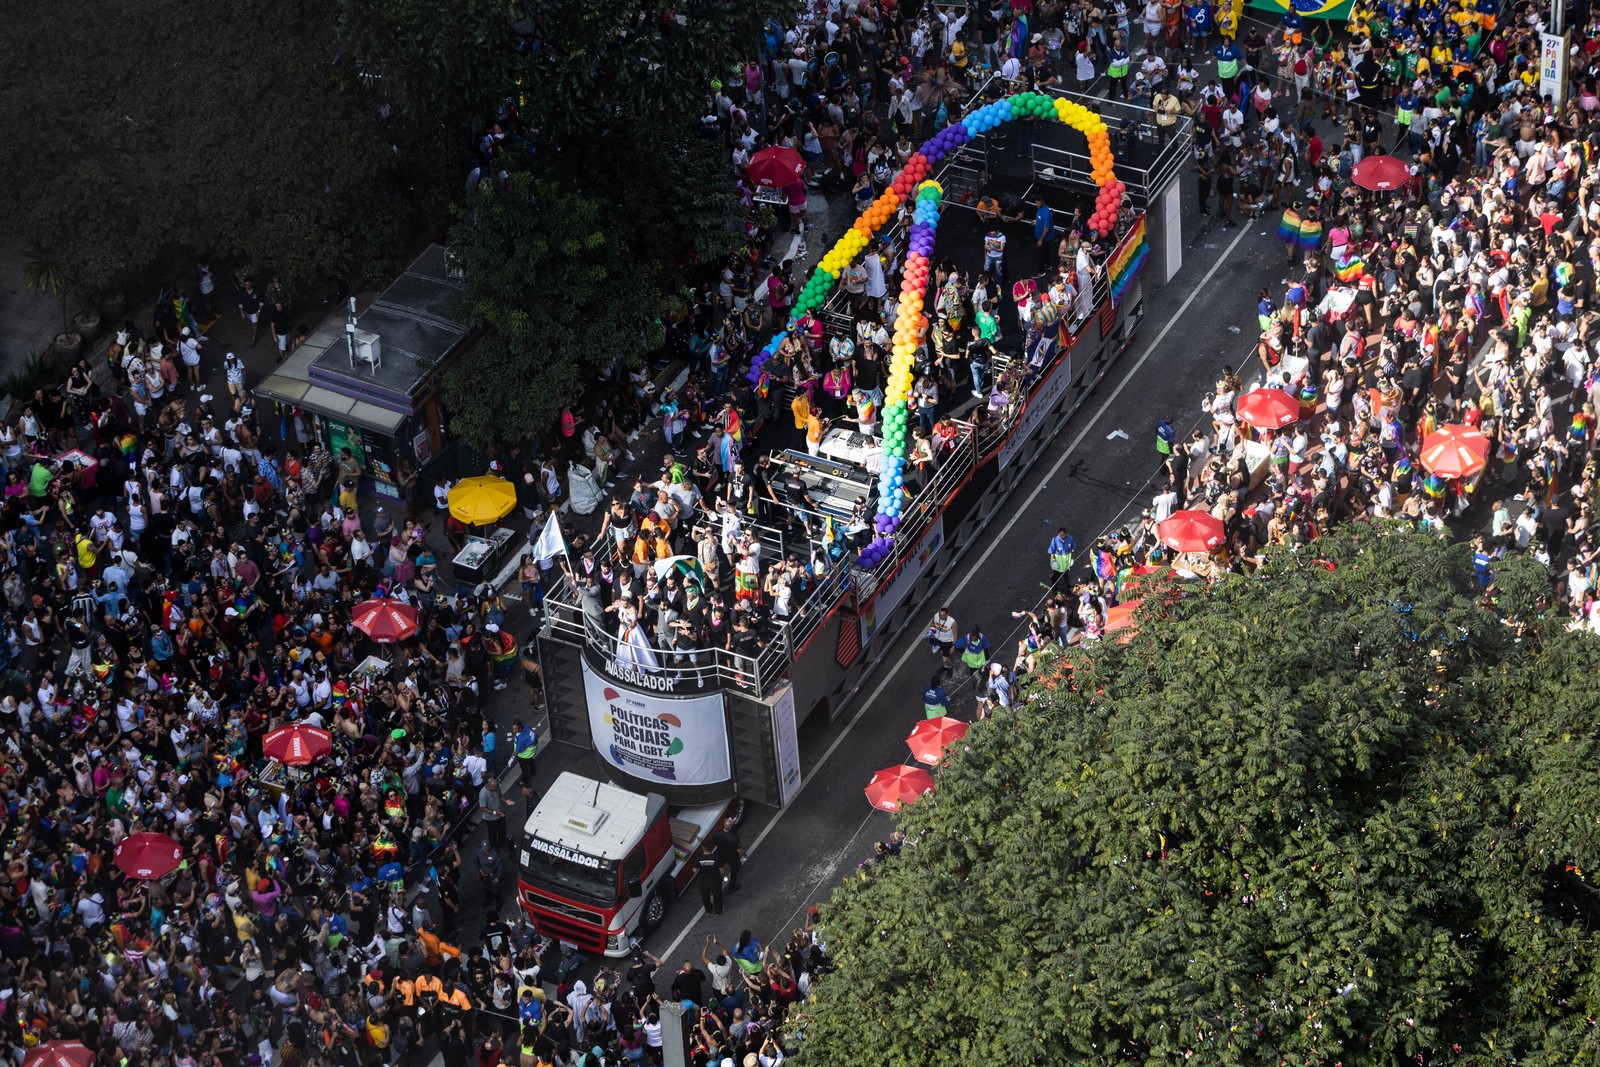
(177, 582)
(1463, 297)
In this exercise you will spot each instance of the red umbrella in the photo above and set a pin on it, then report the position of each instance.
(776, 167)
(386, 621)
(1119, 620)
(1380, 173)
(1269, 409)
(1455, 451)
(58, 1054)
(297, 744)
(894, 786)
(148, 855)
(1191, 531)
(932, 736)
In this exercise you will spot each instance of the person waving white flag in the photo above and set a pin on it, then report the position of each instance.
(550, 544)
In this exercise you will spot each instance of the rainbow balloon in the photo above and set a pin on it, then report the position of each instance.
(910, 325)
(912, 183)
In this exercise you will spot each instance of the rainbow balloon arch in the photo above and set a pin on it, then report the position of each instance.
(913, 183)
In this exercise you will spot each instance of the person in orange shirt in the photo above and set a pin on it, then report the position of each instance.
(434, 948)
(816, 426)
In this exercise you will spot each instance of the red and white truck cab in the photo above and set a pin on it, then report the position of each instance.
(598, 864)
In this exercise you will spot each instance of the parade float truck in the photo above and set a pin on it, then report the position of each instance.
(703, 726)
(598, 865)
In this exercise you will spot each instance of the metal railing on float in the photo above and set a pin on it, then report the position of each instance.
(692, 668)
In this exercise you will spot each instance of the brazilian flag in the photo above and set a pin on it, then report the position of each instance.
(1309, 9)
(686, 567)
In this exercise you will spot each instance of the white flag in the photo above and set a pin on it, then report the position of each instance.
(634, 651)
(549, 544)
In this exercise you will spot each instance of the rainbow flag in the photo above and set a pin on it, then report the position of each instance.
(1310, 234)
(1349, 269)
(1296, 229)
(1289, 226)
(1127, 259)
(1308, 399)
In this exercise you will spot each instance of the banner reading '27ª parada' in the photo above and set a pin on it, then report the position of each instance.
(1311, 9)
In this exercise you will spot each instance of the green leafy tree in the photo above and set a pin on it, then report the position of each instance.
(613, 91)
(1314, 816)
(147, 131)
(576, 69)
(559, 297)
(449, 63)
(44, 273)
(683, 210)
(619, 197)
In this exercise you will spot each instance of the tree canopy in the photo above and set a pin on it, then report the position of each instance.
(561, 296)
(574, 68)
(611, 95)
(152, 130)
(1314, 816)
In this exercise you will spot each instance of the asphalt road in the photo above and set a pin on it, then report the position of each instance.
(1090, 480)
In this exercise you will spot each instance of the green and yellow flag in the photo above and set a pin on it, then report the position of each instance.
(1311, 9)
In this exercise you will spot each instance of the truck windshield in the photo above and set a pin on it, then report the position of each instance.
(594, 880)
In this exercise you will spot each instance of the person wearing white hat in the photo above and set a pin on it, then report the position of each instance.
(233, 368)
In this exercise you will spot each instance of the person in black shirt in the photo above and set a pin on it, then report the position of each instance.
(250, 309)
(869, 371)
(689, 983)
(1411, 393)
(708, 877)
(738, 491)
(453, 1044)
(165, 322)
(795, 491)
(641, 975)
(672, 595)
(717, 629)
(730, 852)
(762, 488)
(449, 905)
(1371, 133)
(278, 319)
(744, 641)
(705, 471)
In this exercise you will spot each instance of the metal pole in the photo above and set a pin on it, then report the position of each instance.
(1558, 19)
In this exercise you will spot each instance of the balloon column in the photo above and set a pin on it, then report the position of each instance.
(910, 323)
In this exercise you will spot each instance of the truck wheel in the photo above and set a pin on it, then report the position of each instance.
(655, 910)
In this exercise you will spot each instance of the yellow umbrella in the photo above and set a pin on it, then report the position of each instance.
(482, 500)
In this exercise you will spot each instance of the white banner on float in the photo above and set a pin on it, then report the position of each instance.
(890, 596)
(786, 745)
(1040, 407)
(681, 740)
